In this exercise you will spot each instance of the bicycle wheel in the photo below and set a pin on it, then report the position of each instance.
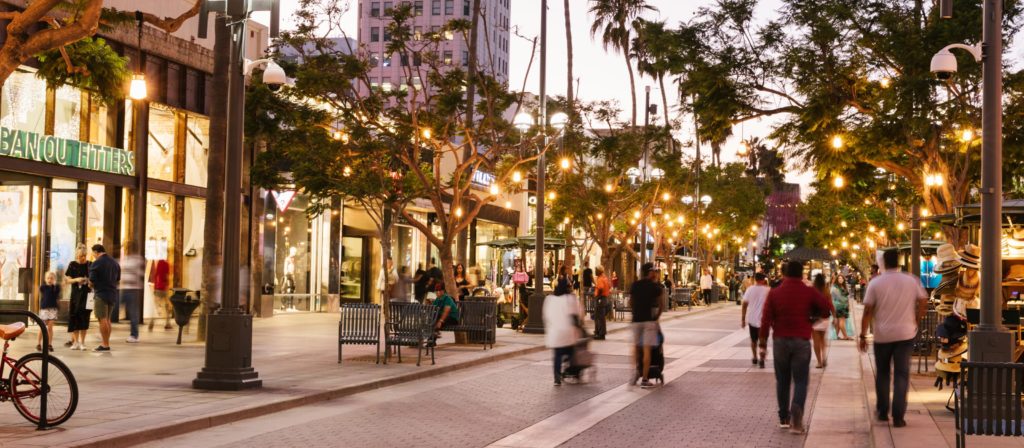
(26, 389)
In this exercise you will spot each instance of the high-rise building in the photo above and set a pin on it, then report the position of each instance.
(429, 16)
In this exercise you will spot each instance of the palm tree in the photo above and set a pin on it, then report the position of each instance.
(655, 53)
(615, 20)
(570, 99)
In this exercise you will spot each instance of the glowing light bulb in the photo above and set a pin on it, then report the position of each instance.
(837, 142)
(885, 82)
(608, 188)
(426, 133)
(838, 181)
(565, 163)
(517, 176)
(458, 212)
(495, 190)
(967, 135)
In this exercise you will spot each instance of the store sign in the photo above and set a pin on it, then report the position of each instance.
(483, 178)
(61, 151)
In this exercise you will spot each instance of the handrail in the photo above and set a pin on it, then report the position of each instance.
(46, 360)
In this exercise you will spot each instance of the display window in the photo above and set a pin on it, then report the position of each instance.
(492, 261)
(16, 230)
(162, 127)
(23, 104)
(94, 197)
(197, 149)
(192, 260)
(292, 256)
(67, 113)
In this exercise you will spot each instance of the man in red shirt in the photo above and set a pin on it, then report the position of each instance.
(788, 313)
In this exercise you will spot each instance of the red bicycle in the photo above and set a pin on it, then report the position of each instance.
(25, 386)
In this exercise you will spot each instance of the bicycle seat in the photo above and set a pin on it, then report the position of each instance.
(12, 331)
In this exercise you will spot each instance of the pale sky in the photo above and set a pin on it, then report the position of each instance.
(602, 74)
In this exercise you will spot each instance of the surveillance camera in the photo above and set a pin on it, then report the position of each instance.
(274, 76)
(943, 64)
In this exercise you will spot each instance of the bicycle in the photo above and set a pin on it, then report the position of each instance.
(25, 386)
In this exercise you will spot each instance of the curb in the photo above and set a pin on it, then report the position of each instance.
(209, 421)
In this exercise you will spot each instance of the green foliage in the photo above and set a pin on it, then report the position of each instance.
(103, 71)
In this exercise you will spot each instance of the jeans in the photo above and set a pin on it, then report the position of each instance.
(705, 295)
(130, 298)
(600, 316)
(560, 354)
(897, 356)
(792, 365)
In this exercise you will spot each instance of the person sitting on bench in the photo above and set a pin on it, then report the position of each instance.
(448, 310)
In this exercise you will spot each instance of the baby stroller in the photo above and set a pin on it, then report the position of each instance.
(581, 362)
(655, 371)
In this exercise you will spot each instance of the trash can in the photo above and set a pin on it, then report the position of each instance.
(185, 302)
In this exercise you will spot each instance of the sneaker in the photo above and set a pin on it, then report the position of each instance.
(796, 419)
(760, 364)
(132, 340)
(101, 349)
(634, 379)
(69, 344)
(75, 346)
(783, 423)
(558, 383)
(82, 347)
(646, 384)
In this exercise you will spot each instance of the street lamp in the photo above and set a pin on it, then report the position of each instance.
(706, 200)
(687, 200)
(523, 121)
(990, 340)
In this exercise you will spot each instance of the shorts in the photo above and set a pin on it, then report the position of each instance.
(755, 332)
(48, 314)
(102, 309)
(645, 334)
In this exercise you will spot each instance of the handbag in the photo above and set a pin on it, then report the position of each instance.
(90, 300)
(820, 324)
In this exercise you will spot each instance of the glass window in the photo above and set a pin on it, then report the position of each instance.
(351, 269)
(16, 227)
(418, 7)
(404, 59)
(192, 262)
(162, 125)
(465, 7)
(387, 35)
(374, 59)
(449, 7)
(387, 8)
(101, 128)
(374, 34)
(94, 197)
(417, 59)
(447, 57)
(159, 226)
(386, 61)
(375, 9)
(448, 35)
(197, 149)
(67, 110)
(435, 7)
(24, 103)
(465, 58)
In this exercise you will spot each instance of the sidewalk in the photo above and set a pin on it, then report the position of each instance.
(141, 392)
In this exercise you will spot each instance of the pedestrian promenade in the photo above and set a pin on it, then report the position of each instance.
(143, 391)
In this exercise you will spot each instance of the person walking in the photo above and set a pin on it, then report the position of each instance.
(750, 313)
(49, 294)
(894, 303)
(646, 299)
(561, 323)
(159, 275)
(401, 289)
(588, 276)
(785, 317)
(419, 282)
(133, 269)
(841, 302)
(104, 276)
(706, 282)
(77, 275)
(602, 293)
(819, 339)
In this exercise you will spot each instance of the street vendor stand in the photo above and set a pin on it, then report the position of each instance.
(523, 248)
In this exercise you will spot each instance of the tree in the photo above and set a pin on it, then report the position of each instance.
(614, 20)
(60, 30)
(407, 142)
(655, 53)
(569, 78)
(852, 80)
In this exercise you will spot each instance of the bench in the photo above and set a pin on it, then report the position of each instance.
(479, 318)
(588, 300)
(988, 400)
(359, 325)
(620, 303)
(410, 325)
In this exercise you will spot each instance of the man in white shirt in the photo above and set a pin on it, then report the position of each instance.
(895, 301)
(706, 282)
(750, 314)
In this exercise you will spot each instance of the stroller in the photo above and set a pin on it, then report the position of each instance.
(655, 371)
(581, 362)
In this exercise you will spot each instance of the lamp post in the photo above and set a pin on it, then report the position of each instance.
(990, 342)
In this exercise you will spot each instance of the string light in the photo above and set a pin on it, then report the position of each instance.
(838, 181)
(565, 163)
(426, 133)
(495, 190)
(608, 188)
(458, 212)
(967, 135)
(837, 142)
(884, 82)
(517, 176)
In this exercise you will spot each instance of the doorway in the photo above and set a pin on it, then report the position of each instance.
(63, 230)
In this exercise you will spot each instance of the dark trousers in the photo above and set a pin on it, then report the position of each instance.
(560, 354)
(894, 355)
(705, 295)
(115, 309)
(600, 316)
(792, 367)
(130, 299)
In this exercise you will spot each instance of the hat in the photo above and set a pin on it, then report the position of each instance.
(648, 268)
(970, 257)
(946, 286)
(1016, 273)
(947, 267)
(949, 360)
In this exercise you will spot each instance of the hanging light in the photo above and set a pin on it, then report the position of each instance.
(565, 163)
(967, 135)
(495, 190)
(837, 142)
(426, 133)
(137, 89)
(838, 181)
(608, 187)
(517, 177)
(458, 212)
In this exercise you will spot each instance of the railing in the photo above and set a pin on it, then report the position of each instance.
(46, 360)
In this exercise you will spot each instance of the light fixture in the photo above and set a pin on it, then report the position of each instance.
(967, 135)
(657, 173)
(838, 181)
(687, 199)
(565, 163)
(347, 171)
(137, 89)
(508, 204)
(559, 120)
(837, 142)
(744, 149)
(885, 82)
(458, 212)
(636, 214)
(495, 190)
(608, 187)
(665, 196)
(600, 216)
(551, 196)
(706, 200)
(900, 227)
(426, 133)
(517, 177)
(925, 213)
(523, 121)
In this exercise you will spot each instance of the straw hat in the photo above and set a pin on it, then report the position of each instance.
(946, 286)
(946, 259)
(1016, 273)
(949, 360)
(970, 257)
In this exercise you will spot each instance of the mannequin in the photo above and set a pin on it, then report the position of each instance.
(289, 278)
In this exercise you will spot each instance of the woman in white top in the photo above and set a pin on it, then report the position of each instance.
(561, 323)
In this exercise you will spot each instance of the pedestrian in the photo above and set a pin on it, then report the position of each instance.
(706, 283)
(419, 283)
(750, 313)
(894, 302)
(159, 275)
(588, 276)
(785, 316)
(561, 322)
(615, 280)
(602, 293)
(49, 294)
(77, 275)
(387, 279)
(402, 287)
(646, 299)
(841, 302)
(461, 281)
(133, 269)
(821, 324)
(104, 276)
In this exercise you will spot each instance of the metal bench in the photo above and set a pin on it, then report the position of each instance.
(621, 305)
(988, 400)
(410, 325)
(359, 325)
(588, 300)
(478, 318)
(926, 342)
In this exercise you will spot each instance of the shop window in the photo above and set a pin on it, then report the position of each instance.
(192, 261)
(23, 105)
(162, 124)
(159, 226)
(197, 149)
(95, 195)
(67, 111)
(101, 128)
(16, 227)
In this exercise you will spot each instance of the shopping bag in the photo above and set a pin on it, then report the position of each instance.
(90, 300)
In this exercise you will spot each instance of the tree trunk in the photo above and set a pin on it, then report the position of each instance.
(632, 82)
(570, 98)
(462, 240)
(213, 232)
(448, 268)
(664, 103)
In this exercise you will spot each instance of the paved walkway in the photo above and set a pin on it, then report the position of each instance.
(141, 392)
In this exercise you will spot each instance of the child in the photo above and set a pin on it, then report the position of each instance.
(49, 294)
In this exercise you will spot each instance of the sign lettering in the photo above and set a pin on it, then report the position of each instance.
(66, 152)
